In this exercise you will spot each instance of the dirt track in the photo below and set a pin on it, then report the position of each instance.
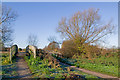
(22, 68)
(93, 73)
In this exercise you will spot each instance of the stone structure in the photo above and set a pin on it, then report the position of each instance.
(13, 51)
(31, 50)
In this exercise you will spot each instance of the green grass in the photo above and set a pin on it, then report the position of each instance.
(8, 71)
(102, 64)
(4, 58)
(7, 67)
(41, 69)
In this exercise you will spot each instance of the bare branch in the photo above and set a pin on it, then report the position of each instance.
(7, 17)
(84, 26)
(33, 40)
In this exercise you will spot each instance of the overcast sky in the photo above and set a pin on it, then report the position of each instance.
(42, 19)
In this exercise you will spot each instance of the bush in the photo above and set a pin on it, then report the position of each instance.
(68, 49)
(20, 49)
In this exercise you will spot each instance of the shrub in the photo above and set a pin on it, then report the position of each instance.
(20, 49)
(68, 49)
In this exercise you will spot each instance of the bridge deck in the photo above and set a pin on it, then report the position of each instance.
(22, 68)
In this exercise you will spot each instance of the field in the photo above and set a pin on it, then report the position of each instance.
(102, 64)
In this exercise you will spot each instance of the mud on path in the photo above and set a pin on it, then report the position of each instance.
(22, 68)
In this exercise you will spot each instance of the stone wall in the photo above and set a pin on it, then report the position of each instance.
(31, 50)
(13, 51)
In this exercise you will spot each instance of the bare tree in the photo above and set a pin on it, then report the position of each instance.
(6, 35)
(52, 38)
(84, 27)
(33, 40)
(7, 17)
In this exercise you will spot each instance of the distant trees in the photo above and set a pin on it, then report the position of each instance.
(53, 46)
(8, 16)
(52, 38)
(84, 28)
(33, 40)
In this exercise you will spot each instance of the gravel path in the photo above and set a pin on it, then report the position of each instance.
(22, 68)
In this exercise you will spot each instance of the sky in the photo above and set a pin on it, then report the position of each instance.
(42, 18)
(60, 0)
